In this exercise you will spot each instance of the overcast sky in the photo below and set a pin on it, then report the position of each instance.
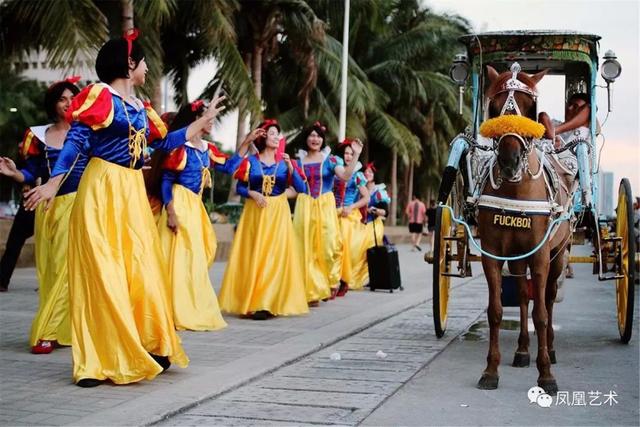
(615, 20)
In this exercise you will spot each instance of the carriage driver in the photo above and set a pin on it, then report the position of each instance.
(577, 115)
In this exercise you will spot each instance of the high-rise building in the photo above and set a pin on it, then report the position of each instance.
(37, 66)
(606, 194)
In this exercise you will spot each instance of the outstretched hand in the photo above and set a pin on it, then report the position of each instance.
(357, 147)
(42, 193)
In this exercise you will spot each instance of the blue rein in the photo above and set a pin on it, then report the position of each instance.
(552, 224)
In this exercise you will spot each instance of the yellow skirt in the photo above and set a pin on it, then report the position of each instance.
(354, 253)
(320, 243)
(189, 253)
(120, 307)
(264, 268)
(52, 321)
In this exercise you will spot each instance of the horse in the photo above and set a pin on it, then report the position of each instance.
(516, 175)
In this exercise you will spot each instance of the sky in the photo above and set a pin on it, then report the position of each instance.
(616, 21)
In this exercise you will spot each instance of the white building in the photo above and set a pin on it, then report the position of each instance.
(37, 66)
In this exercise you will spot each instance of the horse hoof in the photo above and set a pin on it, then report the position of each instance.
(488, 382)
(521, 360)
(550, 386)
(552, 357)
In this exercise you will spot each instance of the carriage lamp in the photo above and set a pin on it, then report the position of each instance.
(611, 68)
(459, 72)
(610, 71)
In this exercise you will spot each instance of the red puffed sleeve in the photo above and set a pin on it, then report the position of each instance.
(30, 145)
(217, 156)
(176, 160)
(242, 173)
(157, 127)
(93, 106)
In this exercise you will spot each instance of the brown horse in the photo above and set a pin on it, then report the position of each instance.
(516, 171)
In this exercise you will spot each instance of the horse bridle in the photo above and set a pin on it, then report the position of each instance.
(512, 86)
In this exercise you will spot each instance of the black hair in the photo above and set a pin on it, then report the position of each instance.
(583, 96)
(319, 129)
(53, 94)
(185, 117)
(261, 142)
(113, 62)
(340, 149)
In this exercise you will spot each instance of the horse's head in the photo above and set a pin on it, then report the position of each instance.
(512, 150)
(512, 137)
(512, 92)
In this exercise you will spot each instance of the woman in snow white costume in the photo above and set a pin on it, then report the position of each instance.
(315, 222)
(263, 275)
(121, 317)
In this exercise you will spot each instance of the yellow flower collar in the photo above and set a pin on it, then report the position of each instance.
(523, 126)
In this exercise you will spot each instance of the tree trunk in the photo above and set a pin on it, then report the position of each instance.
(256, 70)
(127, 15)
(394, 188)
(410, 183)
(241, 132)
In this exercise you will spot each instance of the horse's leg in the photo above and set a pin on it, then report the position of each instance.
(492, 268)
(539, 265)
(521, 359)
(555, 270)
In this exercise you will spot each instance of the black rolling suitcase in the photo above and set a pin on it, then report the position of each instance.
(384, 268)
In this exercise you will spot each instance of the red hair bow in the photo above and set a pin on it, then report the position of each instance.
(73, 79)
(268, 123)
(197, 104)
(322, 127)
(346, 142)
(371, 166)
(130, 35)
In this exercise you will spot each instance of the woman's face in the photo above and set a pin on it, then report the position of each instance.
(139, 73)
(314, 141)
(63, 103)
(273, 137)
(348, 155)
(368, 174)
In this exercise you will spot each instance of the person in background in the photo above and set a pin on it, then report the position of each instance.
(431, 223)
(416, 213)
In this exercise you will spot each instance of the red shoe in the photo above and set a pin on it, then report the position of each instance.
(334, 292)
(314, 303)
(43, 347)
(344, 287)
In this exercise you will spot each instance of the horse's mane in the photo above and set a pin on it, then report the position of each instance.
(502, 79)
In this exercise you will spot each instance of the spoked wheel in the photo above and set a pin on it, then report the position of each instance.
(441, 264)
(627, 259)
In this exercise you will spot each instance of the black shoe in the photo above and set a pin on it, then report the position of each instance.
(163, 361)
(4, 287)
(261, 315)
(418, 248)
(89, 382)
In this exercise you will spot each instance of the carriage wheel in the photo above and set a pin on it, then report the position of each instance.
(441, 264)
(625, 285)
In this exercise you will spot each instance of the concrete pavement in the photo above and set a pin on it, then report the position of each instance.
(37, 389)
(590, 359)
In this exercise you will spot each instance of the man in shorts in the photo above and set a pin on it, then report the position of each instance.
(416, 212)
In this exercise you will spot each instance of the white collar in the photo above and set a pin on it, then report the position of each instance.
(138, 104)
(302, 154)
(189, 144)
(40, 131)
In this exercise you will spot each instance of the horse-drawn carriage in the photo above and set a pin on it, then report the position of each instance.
(525, 188)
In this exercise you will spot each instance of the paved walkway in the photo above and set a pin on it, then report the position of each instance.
(37, 389)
